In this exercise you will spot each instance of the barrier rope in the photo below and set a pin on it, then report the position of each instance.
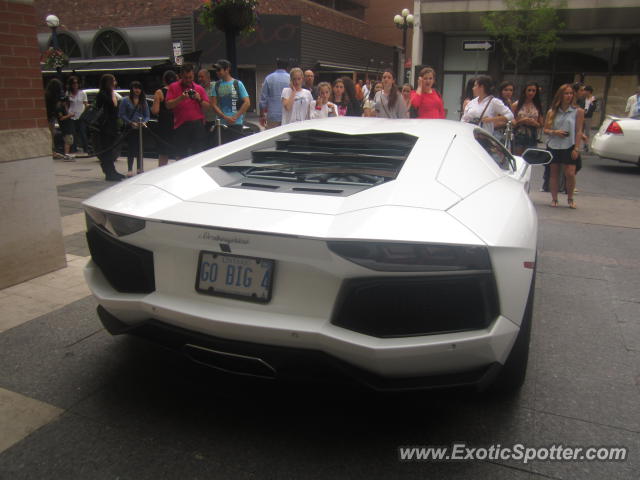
(129, 131)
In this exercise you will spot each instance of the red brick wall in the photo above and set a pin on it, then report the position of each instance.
(22, 102)
(89, 15)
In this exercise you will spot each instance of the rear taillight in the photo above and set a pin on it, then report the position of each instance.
(407, 257)
(614, 128)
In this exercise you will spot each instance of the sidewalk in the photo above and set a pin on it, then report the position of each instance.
(76, 181)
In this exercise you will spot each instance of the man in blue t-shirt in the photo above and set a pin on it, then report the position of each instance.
(230, 101)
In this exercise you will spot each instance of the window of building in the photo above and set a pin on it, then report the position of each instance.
(344, 6)
(110, 44)
(68, 45)
(626, 55)
(590, 54)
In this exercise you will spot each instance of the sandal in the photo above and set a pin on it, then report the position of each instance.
(140, 171)
(554, 203)
(129, 173)
(572, 203)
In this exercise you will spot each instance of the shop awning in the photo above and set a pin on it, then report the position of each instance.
(115, 64)
(336, 67)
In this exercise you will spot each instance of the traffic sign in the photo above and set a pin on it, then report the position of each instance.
(478, 45)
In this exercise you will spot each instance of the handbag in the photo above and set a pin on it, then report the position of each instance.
(478, 121)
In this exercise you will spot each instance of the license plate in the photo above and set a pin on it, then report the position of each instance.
(243, 278)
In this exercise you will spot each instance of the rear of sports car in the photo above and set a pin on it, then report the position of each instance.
(297, 264)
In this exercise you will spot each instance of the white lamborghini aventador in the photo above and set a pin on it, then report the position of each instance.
(399, 253)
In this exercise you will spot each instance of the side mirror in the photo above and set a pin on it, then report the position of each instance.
(537, 156)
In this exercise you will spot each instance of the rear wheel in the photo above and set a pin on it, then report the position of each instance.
(513, 373)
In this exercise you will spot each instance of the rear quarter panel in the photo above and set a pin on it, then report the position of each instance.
(502, 215)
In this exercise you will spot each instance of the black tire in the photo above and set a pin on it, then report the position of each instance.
(514, 371)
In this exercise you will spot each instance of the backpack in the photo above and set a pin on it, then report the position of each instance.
(236, 87)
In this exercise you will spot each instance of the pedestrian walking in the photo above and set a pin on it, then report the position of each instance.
(354, 106)
(528, 114)
(369, 104)
(468, 95)
(563, 125)
(309, 78)
(426, 100)
(165, 119)
(633, 104)
(322, 107)
(204, 80)
(78, 102)
(65, 122)
(590, 107)
(107, 132)
(134, 112)
(485, 110)
(271, 95)
(186, 100)
(344, 99)
(230, 101)
(388, 101)
(505, 94)
(295, 99)
(52, 95)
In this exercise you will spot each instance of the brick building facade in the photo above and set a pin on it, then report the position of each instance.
(30, 230)
(376, 24)
(112, 14)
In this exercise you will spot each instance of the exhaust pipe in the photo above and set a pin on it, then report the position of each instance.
(230, 362)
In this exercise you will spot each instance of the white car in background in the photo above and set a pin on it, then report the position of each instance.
(618, 139)
(399, 253)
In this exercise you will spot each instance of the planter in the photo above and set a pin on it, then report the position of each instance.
(233, 17)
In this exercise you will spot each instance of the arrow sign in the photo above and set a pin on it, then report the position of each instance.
(478, 45)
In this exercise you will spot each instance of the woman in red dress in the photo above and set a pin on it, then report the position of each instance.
(426, 99)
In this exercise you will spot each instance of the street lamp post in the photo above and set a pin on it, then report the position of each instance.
(403, 21)
(53, 23)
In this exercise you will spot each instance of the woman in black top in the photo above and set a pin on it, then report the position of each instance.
(107, 136)
(354, 108)
(165, 119)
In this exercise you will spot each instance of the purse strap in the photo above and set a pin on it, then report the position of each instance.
(485, 107)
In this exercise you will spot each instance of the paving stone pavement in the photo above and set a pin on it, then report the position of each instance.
(76, 403)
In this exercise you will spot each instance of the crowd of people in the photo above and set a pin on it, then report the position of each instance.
(187, 111)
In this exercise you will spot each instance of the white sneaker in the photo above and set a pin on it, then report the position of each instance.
(69, 158)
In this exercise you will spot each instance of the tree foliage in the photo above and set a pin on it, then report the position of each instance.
(526, 30)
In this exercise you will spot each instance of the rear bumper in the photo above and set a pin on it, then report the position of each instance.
(286, 363)
(612, 147)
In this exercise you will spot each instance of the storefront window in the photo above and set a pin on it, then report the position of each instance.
(583, 54)
(68, 45)
(626, 55)
(110, 44)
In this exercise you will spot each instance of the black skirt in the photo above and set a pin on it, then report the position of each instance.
(563, 156)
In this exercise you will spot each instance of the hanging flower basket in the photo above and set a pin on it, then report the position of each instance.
(238, 16)
(54, 58)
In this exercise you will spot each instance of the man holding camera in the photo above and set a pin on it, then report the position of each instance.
(186, 99)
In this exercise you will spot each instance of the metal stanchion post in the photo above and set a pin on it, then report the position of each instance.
(140, 147)
(219, 131)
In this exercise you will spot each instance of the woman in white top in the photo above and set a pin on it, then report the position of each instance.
(389, 102)
(485, 110)
(369, 105)
(323, 108)
(77, 104)
(295, 99)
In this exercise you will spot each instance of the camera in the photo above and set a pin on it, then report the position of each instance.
(192, 93)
